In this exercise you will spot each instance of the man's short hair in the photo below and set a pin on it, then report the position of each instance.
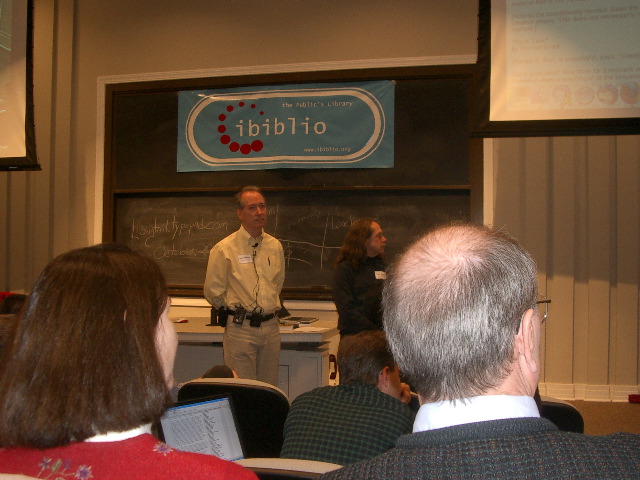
(452, 306)
(248, 188)
(219, 371)
(362, 356)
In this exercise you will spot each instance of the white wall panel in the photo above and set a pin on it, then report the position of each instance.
(586, 244)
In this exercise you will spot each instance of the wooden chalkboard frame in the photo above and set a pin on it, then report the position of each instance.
(115, 189)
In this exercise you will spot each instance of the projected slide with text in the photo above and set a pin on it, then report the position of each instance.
(565, 59)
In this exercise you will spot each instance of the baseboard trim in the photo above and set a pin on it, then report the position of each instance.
(591, 393)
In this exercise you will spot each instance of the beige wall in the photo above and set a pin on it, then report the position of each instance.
(572, 201)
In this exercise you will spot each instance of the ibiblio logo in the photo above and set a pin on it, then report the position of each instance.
(275, 127)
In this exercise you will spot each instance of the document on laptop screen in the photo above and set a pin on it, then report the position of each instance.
(206, 426)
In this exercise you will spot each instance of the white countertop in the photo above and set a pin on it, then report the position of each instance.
(195, 330)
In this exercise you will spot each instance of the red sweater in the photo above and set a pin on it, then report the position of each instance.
(140, 457)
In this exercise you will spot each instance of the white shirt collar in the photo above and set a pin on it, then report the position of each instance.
(475, 409)
(118, 436)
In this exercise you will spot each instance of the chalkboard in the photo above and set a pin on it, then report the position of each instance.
(179, 231)
(177, 217)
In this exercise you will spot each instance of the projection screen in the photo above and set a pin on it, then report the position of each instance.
(17, 133)
(559, 66)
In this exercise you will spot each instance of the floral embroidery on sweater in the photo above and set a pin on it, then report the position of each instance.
(162, 448)
(61, 469)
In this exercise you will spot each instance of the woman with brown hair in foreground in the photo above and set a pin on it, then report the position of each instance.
(89, 370)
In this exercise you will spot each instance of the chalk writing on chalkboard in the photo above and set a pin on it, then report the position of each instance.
(179, 231)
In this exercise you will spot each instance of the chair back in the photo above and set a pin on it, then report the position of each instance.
(564, 415)
(261, 410)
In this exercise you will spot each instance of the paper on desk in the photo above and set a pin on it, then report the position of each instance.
(309, 329)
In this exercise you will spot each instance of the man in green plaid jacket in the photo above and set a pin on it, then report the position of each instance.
(358, 419)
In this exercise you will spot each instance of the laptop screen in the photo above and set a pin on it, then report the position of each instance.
(205, 425)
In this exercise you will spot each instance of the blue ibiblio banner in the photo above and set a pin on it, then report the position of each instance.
(347, 125)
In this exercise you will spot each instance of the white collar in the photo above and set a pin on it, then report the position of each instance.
(118, 436)
(250, 238)
(475, 409)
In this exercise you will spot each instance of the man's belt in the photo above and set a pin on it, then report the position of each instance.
(261, 317)
(240, 314)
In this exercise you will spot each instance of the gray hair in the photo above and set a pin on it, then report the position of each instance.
(452, 307)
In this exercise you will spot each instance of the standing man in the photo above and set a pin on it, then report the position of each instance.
(461, 317)
(244, 278)
(359, 277)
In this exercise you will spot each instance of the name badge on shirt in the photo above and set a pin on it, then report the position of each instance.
(245, 258)
(381, 275)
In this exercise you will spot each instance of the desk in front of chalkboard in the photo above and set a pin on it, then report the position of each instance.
(304, 357)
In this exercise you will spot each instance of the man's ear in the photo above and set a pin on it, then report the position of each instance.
(527, 342)
(383, 378)
(238, 213)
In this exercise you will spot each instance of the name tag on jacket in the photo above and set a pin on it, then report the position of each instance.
(246, 259)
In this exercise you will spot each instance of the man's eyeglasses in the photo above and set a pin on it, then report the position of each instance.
(546, 302)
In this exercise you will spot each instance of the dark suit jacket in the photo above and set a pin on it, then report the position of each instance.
(512, 449)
